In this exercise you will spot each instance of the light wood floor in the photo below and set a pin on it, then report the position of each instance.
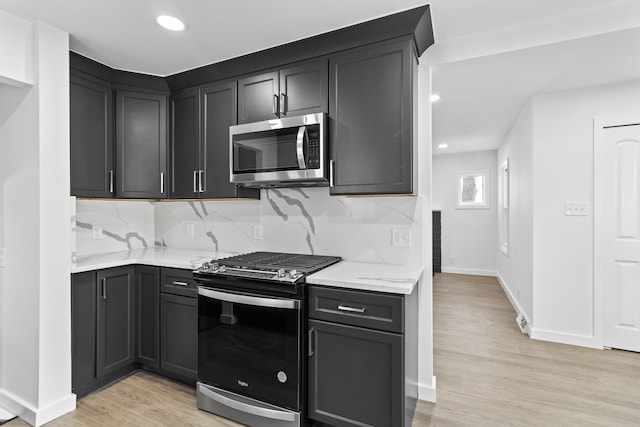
(488, 374)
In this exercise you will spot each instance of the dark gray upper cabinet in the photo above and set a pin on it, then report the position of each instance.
(91, 133)
(371, 119)
(141, 145)
(200, 120)
(301, 89)
(185, 144)
(115, 347)
(304, 89)
(258, 97)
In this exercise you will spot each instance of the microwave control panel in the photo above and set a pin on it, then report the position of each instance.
(313, 151)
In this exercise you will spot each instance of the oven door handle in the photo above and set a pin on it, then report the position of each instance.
(289, 304)
(248, 408)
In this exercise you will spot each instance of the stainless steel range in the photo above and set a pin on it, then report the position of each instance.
(251, 334)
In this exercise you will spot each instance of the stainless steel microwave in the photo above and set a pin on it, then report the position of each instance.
(284, 152)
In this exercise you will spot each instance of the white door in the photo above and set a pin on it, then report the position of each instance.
(617, 165)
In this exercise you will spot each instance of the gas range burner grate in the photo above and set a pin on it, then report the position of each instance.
(306, 264)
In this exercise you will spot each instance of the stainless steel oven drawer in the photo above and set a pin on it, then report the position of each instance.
(373, 310)
(178, 282)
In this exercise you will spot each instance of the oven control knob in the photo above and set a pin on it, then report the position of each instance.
(214, 267)
(294, 274)
(205, 266)
(282, 272)
(222, 269)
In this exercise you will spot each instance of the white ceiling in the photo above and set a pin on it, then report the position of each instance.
(491, 55)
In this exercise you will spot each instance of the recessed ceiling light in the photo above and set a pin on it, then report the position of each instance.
(443, 145)
(170, 23)
(435, 97)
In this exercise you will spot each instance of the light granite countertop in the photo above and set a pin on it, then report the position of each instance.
(155, 256)
(396, 279)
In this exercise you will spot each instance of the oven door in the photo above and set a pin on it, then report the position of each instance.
(249, 345)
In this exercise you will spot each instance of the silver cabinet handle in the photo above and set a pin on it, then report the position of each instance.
(195, 181)
(331, 173)
(343, 307)
(311, 342)
(111, 181)
(161, 182)
(200, 181)
(180, 283)
(289, 304)
(246, 407)
(104, 288)
(275, 104)
(302, 135)
(283, 103)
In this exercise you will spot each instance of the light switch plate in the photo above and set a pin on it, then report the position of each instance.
(401, 237)
(3, 257)
(576, 208)
(190, 229)
(257, 232)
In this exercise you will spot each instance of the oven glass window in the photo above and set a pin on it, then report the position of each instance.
(250, 350)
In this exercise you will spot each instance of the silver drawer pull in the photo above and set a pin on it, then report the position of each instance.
(343, 307)
(180, 283)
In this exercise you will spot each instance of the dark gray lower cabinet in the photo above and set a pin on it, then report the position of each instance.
(179, 335)
(148, 316)
(115, 338)
(362, 357)
(102, 327)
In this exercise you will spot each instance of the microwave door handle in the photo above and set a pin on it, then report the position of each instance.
(302, 134)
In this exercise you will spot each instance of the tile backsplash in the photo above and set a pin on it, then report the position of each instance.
(300, 220)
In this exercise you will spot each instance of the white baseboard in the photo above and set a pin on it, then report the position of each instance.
(427, 392)
(40, 416)
(515, 304)
(564, 338)
(468, 271)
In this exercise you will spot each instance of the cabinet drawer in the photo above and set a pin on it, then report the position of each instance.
(178, 282)
(373, 310)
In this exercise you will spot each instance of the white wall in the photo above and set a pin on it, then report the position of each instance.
(515, 270)
(468, 235)
(16, 50)
(563, 306)
(35, 322)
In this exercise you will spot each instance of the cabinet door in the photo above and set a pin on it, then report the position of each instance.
(141, 145)
(258, 98)
(370, 108)
(219, 109)
(179, 335)
(355, 376)
(83, 331)
(91, 134)
(116, 321)
(185, 144)
(148, 315)
(304, 89)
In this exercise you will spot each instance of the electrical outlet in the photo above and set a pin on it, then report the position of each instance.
(401, 237)
(96, 232)
(3, 257)
(576, 208)
(190, 229)
(257, 232)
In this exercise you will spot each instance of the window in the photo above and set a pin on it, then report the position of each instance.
(472, 190)
(504, 207)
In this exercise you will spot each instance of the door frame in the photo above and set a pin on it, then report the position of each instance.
(599, 123)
